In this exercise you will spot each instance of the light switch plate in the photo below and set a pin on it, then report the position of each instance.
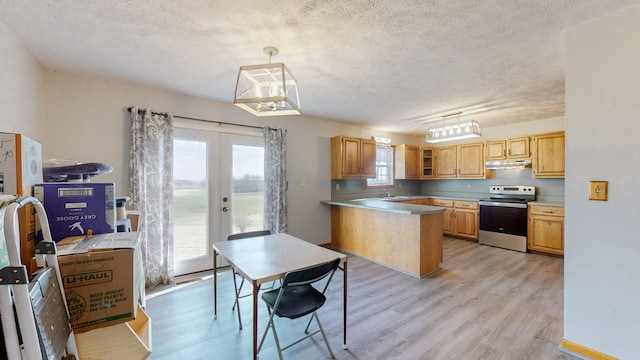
(598, 190)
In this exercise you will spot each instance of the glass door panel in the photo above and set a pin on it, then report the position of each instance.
(190, 199)
(243, 156)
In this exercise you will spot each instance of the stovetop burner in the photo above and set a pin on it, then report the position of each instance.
(519, 193)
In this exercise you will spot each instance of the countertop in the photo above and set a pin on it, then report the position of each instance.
(546, 203)
(389, 205)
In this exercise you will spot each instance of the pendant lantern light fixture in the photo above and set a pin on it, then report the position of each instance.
(267, 89)
(458, 131)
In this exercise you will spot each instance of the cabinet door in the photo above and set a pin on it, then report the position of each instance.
(465, 223)
(546, 234)
(446, 162)
(471, 160)
(447, 221)
(548, 156)
(426, 162)
(407, 162)
(497, 150)
(350, 157)
(518, 148)
(368, 158)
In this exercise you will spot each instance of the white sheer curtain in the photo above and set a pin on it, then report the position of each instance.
(151, 189)
(275, 179)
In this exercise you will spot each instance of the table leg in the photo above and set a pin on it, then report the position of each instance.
(344, 304)
(215, 286)
(256, 287)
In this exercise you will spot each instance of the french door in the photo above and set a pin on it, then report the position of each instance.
(218, 190)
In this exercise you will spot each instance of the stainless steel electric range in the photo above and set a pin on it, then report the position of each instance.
(503, 216)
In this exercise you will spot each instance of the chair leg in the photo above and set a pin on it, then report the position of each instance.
(306, 329)
(271, 325)
(237, 302)
(238, 290)
(326, 341)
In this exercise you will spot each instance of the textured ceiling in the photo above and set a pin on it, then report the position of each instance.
(395, 65)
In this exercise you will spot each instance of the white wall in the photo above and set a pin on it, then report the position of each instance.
(86, 120)
(602, 249)
(21, 79)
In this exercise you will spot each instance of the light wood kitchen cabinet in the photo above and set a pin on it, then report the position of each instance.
(546, 229)
(446, 163)
(447, 216)
(548, 155)
(465, 219)
(353, 158)
(471, 162)
(427, 162)
(417, 201)
(407, 162)
(460, 218)
(514, 148)
(460, 161)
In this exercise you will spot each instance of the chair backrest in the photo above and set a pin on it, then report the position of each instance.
(311, 274)
(248, 234)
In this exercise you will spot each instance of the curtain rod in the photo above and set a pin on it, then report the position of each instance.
(209, 121)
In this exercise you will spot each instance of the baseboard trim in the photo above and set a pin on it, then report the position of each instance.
(578, 349)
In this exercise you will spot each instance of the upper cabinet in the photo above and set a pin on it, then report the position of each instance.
(407, 162)
(427, 162)
(471, 161)
(353, 158)
(460, 161)
(446, 162)
(515, 148)
(548, 155)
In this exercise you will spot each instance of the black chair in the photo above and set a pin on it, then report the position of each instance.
(296, 298)
(237, 288)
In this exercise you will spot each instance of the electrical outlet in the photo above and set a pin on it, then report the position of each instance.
(303, 183)
(598, 190)
(337, 187)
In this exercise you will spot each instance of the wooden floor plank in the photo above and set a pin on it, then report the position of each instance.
(486, 303)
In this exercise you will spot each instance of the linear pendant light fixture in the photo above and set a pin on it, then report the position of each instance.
(267, 89)
(457, 131)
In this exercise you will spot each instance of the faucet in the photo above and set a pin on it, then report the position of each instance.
(385, 193)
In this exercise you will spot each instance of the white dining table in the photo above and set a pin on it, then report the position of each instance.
(266, 258)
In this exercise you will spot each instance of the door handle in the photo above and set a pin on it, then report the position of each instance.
(225, 209)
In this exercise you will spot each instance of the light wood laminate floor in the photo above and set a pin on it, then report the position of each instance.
(486, 303)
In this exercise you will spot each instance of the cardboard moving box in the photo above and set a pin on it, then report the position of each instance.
(103, 278)
(130, 340)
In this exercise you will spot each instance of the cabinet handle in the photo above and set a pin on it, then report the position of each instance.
(504, 152)
(547, 212)
(509, 152)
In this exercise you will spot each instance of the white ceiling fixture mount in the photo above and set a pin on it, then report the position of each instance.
(458, 131)
(267, 89)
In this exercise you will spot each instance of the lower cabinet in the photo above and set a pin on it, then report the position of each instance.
(460, 218)
(546, 229)
(417, 201)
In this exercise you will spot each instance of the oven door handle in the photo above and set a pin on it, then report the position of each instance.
(503, 204)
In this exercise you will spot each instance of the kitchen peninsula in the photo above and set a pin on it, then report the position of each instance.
(405, 237)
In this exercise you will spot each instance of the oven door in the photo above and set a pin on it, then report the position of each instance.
(505, 218)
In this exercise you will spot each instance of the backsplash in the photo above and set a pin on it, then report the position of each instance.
(547, 189)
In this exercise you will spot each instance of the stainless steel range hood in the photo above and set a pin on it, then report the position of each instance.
(508, 164)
